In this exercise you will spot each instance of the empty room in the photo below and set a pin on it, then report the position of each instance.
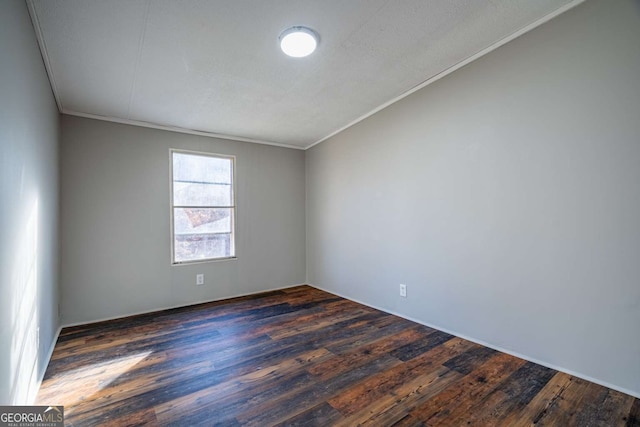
(320, 213)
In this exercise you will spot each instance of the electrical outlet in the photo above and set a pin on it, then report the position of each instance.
(403, 290)
(199, 279)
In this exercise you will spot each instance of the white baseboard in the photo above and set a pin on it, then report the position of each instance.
(493, 346)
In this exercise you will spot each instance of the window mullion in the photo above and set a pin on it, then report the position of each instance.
(201, 207)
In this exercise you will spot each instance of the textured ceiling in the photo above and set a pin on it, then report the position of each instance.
(215, 66)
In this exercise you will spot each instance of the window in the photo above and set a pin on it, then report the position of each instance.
(202, 207)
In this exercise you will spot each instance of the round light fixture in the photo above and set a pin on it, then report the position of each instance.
(298, 41)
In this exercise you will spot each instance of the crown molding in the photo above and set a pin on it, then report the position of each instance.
(176, 129)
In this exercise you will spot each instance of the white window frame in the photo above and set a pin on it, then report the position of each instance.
(172, 206)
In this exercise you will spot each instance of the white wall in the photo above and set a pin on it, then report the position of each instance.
(115, 221)
(506, 196)
(28, 208)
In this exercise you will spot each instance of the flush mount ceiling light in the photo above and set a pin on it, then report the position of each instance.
(298, 41)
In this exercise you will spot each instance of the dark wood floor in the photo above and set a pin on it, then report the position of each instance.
(305, 357)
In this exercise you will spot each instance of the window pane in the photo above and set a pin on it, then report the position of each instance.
(202, 221)
(194, 167)
(202, 246)
(202, 180)
(203, 233)
(201, 194)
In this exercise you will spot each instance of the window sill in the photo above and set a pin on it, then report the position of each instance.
(203, 261)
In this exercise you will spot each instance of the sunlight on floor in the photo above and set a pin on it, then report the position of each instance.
(95, 377)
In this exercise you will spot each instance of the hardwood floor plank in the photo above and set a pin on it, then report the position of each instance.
(320, 415)
(304, 357)
(361, 355)
(591, 401)
(306, 327)
(451, 405)
(538, 406)
(513, 395)
(395, 405)
(616, 410)
(378, 385)
(408, 421)
(365, 332)
(297, 401)
(146, 417)
(254, 387)
(413, 349)
(466, 362)
(564, 409)
(633, 417)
